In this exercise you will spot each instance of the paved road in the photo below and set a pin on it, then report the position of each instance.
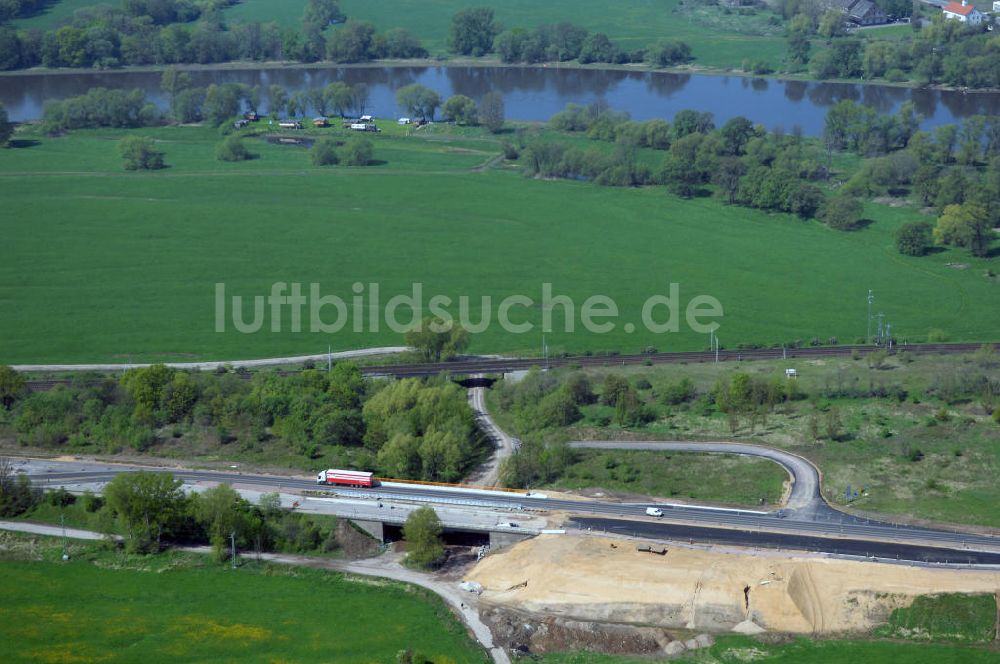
(387, 567)
(857, 548)
(907, 541)
(52, 531)
(505, 444)
(210, 366)
(805, 499)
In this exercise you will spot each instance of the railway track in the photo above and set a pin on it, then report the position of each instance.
(507, 365)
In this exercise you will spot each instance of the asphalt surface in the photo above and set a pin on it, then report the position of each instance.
(768, 529)
(504, 444)
(883, 551)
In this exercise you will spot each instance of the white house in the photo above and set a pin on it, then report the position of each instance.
(963, 12)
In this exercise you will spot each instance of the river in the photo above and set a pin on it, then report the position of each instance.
(536, 93)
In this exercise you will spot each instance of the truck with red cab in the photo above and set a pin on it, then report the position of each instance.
(355, 478)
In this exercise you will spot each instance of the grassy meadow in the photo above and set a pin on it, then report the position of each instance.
(100, 264)
(717, 38)
(729, 648)
(57, 12)
(103, 606)
(726, 479)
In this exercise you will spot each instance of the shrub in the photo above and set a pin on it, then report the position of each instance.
(60, 498)
(232, 149)
(140, 153)
(914, 238)
(678, 392)
(358, 151)
(937, 336)
(91, 502)
(842, 213)
(324, 152)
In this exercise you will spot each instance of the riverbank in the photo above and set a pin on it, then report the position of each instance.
(490, 63)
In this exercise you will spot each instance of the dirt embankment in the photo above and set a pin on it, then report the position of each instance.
(589, 579)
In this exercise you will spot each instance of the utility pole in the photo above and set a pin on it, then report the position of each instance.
(871, 299)
(232, 539)
(881, 328)
(888, 334)
(329, 359)
(716, 349)
(545, 351)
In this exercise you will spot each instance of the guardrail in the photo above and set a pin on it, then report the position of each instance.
(446, 485)
(468, 502)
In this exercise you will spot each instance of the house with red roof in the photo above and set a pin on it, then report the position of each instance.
(963, 12)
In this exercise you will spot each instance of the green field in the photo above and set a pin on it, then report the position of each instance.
(58, 11)
(181, 607)
(714, 41)
(717, 39)
(103, 265)
(747, 649)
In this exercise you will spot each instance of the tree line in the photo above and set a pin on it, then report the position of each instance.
(746, 164)
(955, 168)
(162, 32)
(414, 429)
(949, 52)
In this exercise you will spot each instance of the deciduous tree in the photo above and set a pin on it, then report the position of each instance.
(914, 238)
(148, 503)
(422, 533)
(966, 225)
(491, 111)
(461, 110)
(11, 385)
(472, 31)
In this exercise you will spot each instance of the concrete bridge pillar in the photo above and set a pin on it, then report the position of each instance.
(373, 528)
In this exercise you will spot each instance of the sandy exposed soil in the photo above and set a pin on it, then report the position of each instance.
(608, 580)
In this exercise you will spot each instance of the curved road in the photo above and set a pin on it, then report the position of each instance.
(804, 499)
(505, 445)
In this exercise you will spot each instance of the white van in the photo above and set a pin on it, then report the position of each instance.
(654, 511)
